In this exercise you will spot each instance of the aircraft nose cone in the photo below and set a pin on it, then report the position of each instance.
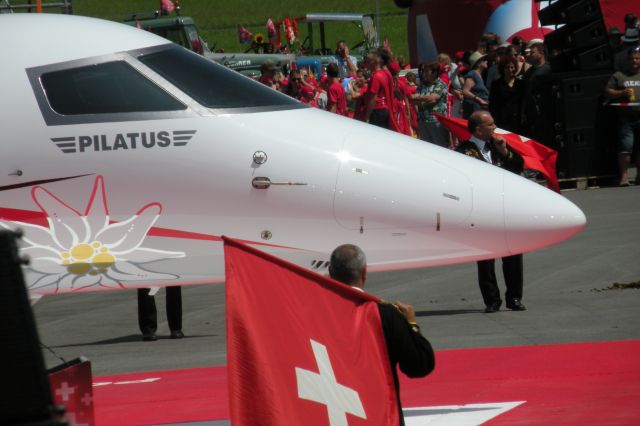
(536, 217)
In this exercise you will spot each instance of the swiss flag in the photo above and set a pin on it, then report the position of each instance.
(244, 35)
(167, 6)
(71, 388)
(302, 349)
(271, 28)
(536, 156)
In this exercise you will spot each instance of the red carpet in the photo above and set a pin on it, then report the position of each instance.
(585, 383)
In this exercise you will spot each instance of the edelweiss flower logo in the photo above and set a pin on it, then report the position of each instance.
(78, 251)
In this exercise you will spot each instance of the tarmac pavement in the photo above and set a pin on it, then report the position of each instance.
(567, 293)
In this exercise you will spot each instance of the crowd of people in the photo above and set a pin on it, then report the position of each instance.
(383, 90)
(509, 79)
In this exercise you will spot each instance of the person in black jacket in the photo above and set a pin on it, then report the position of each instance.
(406, 346)
(148, 315)
(505, 97)
(484, 145)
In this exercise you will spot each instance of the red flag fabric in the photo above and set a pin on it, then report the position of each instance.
(271, 29)
(167, 6)
(302, 348)
(71, 388)
(536, 155)
(288, 31)
(391, 103)
(244, 35)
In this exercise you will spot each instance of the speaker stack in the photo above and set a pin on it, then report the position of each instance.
(581, 63)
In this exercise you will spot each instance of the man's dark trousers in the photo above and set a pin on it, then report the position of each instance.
(513, 277)
(148, 315)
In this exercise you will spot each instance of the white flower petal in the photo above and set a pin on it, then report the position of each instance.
(108, 282)
(126, 271)
(47, 265)
(126, 236)
(66, 282)
(34, 235)
(36, 252)
(8, 225)
(46, 281)
(97, 213)
(80, 282)
(65, 223)
(144, 255)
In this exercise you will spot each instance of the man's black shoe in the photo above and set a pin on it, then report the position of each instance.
(149, 337)
(516, 305)
(493, 307)
(177, 334)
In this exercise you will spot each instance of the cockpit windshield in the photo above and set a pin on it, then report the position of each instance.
(211, 84)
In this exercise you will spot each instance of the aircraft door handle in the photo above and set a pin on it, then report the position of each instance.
(16, 173)
(265, 182)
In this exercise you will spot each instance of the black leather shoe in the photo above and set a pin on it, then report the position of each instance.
(516, 305)
(149, 337)
(493, 307)
(177, 334)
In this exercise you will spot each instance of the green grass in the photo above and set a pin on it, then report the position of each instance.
(216, 20)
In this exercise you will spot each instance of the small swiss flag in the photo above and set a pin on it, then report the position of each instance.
(302, 349)
(167, 6)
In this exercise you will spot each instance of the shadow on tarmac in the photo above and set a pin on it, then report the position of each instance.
(446, 312)
(129, 339)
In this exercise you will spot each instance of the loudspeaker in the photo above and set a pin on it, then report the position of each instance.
(597, 58)
(582, 126)
(577, 152)
(577, 36)
(570, 12)
(26, 397)
(576, 99)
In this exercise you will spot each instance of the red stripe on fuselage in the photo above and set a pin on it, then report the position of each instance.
(40, 219)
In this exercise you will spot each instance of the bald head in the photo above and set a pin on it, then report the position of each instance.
(481, 125)
(348, 264)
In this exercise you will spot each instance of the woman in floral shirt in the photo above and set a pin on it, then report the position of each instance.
(431, 98)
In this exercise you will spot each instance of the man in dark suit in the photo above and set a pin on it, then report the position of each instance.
(485, 145)
(148, 315)
(405, 344)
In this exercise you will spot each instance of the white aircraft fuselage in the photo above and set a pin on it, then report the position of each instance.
(125, 159)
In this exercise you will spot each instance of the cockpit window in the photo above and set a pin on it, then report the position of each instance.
(110, 87)
(211, 84)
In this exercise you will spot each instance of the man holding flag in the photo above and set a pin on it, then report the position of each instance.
(305, 349)
(536, 156)
(406, 346)
(485, 145)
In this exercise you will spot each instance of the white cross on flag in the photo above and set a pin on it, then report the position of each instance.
(302, 349)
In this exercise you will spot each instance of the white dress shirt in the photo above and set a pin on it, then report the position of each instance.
(483, 146)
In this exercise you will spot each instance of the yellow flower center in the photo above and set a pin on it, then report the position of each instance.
(82, 251)
(86, 258)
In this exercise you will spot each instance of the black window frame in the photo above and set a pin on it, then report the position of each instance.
(53, 118)
(283, 102)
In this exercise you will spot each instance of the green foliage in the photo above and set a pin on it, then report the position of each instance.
(217, 20)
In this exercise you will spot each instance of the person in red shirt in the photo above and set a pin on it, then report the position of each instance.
(336, 99)
(267, 74)
(377, 95)
(358, 89)
(402, 106)
(308, 96)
